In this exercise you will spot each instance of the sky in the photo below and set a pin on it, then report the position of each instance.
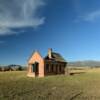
(70, 27)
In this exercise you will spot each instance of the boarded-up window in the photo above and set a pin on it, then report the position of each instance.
(60, 68)
(52, 67)
(56, 68)
(47, 67)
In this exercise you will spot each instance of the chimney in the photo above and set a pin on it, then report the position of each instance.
(50, 53)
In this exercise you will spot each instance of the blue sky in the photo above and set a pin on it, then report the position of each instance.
(70, 27)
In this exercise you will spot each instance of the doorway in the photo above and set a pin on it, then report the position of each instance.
(35, 68)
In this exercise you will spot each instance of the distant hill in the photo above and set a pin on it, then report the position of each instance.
(89, 63)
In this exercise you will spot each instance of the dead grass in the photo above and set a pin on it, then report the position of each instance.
(16, 86)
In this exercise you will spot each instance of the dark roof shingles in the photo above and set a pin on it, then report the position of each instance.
(56, 57)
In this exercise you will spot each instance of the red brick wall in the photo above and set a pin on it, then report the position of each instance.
(36, 57)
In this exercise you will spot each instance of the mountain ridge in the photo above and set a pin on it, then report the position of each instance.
(90, 63)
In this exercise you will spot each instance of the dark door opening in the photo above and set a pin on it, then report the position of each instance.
(36, 68)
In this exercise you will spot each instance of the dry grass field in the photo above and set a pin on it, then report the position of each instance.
(82, 86)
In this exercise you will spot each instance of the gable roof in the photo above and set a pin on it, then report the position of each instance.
(55, 57)
(33, 54)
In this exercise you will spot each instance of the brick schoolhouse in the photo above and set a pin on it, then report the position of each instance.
(52, 64)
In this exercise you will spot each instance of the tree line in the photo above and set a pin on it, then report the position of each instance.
(12, 68)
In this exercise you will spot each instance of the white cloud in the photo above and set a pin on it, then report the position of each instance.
(6, 31)
(19, 14)
(91, 16)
